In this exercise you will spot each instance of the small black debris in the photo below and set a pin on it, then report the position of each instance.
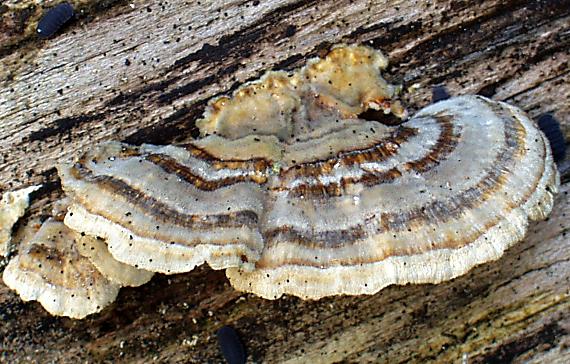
(439, 93)
(551, 128)
(231, 345)
(54, 19)
(290, 31)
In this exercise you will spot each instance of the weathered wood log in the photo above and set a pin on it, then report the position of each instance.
(143, 73)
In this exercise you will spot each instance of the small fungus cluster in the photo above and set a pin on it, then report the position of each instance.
(293, 192)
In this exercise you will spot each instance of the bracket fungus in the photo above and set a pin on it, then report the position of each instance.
(293, 191)
(455, 193)
(69, 273)
(49, 269)
(12, 206)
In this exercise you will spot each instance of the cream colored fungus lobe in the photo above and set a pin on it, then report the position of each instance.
(50, 270)
(12, 206)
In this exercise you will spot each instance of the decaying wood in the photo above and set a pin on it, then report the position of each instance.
(142, 71)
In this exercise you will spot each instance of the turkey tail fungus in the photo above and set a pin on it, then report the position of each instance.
(304, 197)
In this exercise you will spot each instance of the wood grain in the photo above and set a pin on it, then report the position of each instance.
(143, 73)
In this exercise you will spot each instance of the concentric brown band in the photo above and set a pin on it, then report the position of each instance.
(435, 212)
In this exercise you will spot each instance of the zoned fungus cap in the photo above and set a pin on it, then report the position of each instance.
(50, 270)
(455, 192)
(170, 208)
(95, 249)
(293, 191)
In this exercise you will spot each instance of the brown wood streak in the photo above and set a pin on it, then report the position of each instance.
(513, 310)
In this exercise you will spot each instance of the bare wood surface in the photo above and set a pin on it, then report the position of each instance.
(143, 73)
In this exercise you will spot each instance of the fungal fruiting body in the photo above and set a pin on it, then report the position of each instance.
(170, 208)
(457, 191)
(12, 207)
(293, 192)
(49, 269)
(54, 19)
(69, 273)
